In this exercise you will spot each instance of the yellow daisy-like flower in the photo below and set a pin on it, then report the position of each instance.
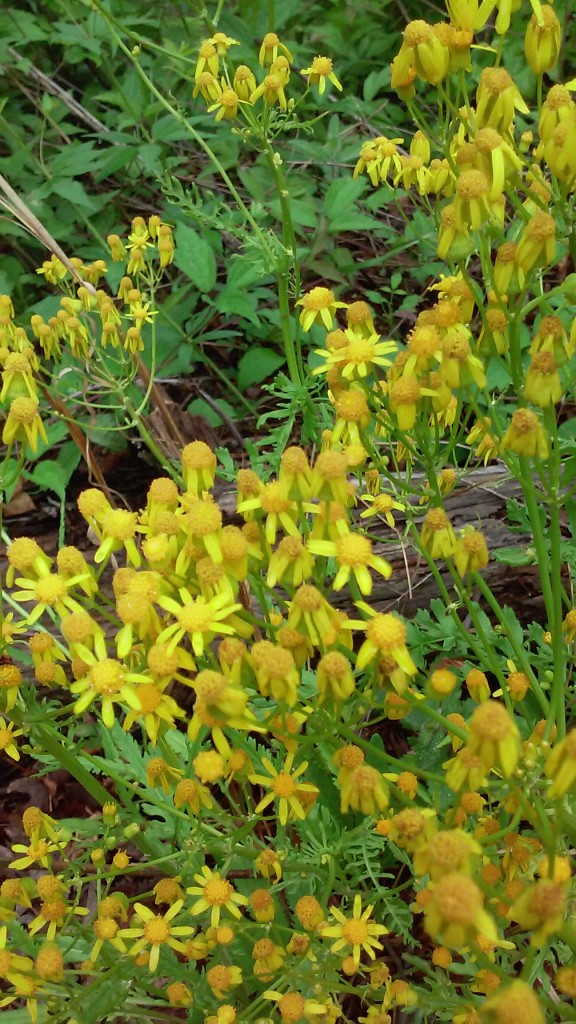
(385, 637)
(381, 505)
(353, 554)
(320, 71)
(319, 306)
(293, 1007)
(154, 931)
(24, 423)
(355, 933)
(285, 788)
(216, 894)
(106, 680)
(8, 734)
(198, 619)
(357, 359)
(48, 591)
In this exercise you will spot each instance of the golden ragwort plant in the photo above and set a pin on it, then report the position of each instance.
(258, 853)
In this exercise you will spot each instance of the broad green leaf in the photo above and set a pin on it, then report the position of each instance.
(237, 302)
(195, 258)
(341, 197)
(257, 365)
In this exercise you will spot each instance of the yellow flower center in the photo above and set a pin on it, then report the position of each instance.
(150, 698)
(284, 785)
(50, 589)
(544, 362)
(23, 552)
(217, 891)
(119, 524)
(436, 519)
(107, 677)
(405, 391)
(291, 1006)
(472, 185)
(351, 406)
(23, 409)
(331, 465)
(163, 490)
(424, 340)
(524, 421)
(321, 66)
(355, 932)
(204, 517)
(210, 686)
(454, 346)
(386, 632)
(334, 665)
(487, 140)
(156, 930)
(541, 226)
(77, 627)
(53, 911)
(458, 899)
(294, 460)
(495, 80)
(105, 927)
(317, 299)
(10, 675)
(417, 32)
(195, 618)
(308, 598)
(273, 500)
(491, 721)
(291, 548)
(353, 550)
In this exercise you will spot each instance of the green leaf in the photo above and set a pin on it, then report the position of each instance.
(257, 365)
(239, 303)
(200, 407)
(513, 556)
(195, 258)
(50, 476)
(74, 192)
(341, 197)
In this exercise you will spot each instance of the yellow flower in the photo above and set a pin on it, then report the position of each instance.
(543, 386)
(268, 52)
(494, 738)
(272, 91)
(362, 788)
(191, 793)
(107, 681)
(543, 40)
(448, 851)
(471, 552)
(24, 423)
(8, 734)
(541, 909)
(226, 105)
(515, 1002)
(437, 535)
(525, 435)
(497, 98)
(385, 637)
(293, 1007)
(455, 915)
(216, 894)
(482, 432)
(561, 766)
(198, 619)
(537, 244)
(318, 306)
(154, 931)
(353, 554)
(356, 933)
(321, 70)
(48, 591)
(207, 59)
(381, 505)
(334, 677)
(379, 157)
(285, 788)
(291, 562)
(422, 50)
